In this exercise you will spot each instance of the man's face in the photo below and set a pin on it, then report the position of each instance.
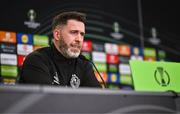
(71, 38)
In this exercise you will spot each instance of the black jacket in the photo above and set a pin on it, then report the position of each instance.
(41, 66)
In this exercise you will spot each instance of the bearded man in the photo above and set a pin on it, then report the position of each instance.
(61, 64)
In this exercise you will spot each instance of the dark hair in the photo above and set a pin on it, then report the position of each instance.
(62, 18)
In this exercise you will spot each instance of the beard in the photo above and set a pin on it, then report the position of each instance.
(69, 51)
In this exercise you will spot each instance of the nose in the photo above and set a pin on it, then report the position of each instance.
(79, 38)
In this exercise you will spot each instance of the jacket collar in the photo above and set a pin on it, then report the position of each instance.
(58, 56)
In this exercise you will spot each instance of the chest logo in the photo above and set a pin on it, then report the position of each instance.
(55, 79)
(75, 81)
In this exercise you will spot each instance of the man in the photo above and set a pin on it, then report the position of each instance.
(60, 63)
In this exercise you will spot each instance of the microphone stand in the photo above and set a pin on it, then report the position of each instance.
(84, 58)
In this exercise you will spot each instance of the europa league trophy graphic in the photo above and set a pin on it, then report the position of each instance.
(154, 40)
(32, 16)
(116, 34)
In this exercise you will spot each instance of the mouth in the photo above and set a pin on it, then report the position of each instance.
(75, 48)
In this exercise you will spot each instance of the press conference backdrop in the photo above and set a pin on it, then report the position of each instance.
(112, 37)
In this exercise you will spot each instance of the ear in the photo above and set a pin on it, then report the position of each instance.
(56, 34)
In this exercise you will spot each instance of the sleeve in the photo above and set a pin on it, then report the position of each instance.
(90, 79)
(35, 70)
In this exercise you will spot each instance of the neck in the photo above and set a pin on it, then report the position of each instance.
(56, 46)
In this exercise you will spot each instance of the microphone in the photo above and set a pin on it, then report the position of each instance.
(84, 58)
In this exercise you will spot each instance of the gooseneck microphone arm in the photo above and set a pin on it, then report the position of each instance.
(84, 58)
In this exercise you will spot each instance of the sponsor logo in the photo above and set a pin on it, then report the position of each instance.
(99, 57)
(8, 59)
(98, 47)
(21, 60)
(113, 86)
(87, 46)
(40, 40)
(149, 52)
(24, 49)
(161, 54)
(7, 37)
(124, 59)
(9, 71)
(136, 51)
(114, 59)
(102, 67)
(126, 79)
(8, 48)
(103, 75)
(124, 69)
(111, 48)
(149, 58)
(24, 38)
(124, 50)
(136, 57)
(9, 81)
(112, 68)
(113, 77)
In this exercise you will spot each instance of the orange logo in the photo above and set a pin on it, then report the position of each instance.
(104, 76)
(124, 50)
(7, 37)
